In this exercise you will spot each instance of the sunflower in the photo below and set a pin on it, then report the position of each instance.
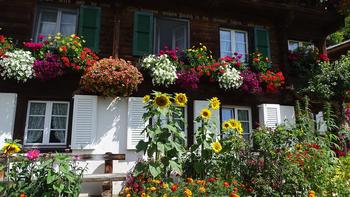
(162, 101)
(226, 125)
(181, 99)
(146, 98)
(187, 192)
(205, 113)
(10, 148)
(214, 103)
(216, 146)
(240, 129)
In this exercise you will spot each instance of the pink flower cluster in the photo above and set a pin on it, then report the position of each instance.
(49, 68)
(33, 154)
(34, 46)
(187, 79)
(251, 82)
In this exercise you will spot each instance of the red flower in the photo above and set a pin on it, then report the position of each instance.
(256, 59)
(2, 39)
(226, 184)
(211, 180)
(22, 195)
(173, 187)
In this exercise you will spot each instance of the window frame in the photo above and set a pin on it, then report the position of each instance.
(233, 41)
(156, 37)
(59, 11)
(47, 123)
(236, 108)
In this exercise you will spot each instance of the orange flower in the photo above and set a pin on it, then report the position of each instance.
(22, 195)
(189, 180)
(226, 184)
(233, 194)
(200, 182)
(173, 188)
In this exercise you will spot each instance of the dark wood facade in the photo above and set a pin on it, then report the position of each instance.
(283, 19)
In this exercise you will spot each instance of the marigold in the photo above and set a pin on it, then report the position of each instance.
(206, 113)
(162, 101)
(181, 99)
(216, 146)
(189, 180)
(173, 187)
(153, 189)
(312, 193)
(233, 194)
(187, 192)
(201, 189)
(10, 148)
(127, 190)
(200, 182)
(214, 103)
(165, 185)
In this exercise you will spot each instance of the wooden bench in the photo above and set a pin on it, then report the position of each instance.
(107, 177)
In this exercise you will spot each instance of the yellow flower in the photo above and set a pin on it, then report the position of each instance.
(165, 195)
(128, 195)
(73, 35)
(153, 189)
(214, 103)
(162, 101)
(156, 181)
(298, 147)
(181, 99)
(201, 189)
(206, 113)
(240, 129)
(187, 192)
(226, 125)
(200, 182)
(146, 98)
(58, 34)
(10, 148)
(49, 37)
(216, 146)
(143, 194)
(165, 185)
(236, 125)
(127, 190)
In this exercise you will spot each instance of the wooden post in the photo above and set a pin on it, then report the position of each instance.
(107, 185)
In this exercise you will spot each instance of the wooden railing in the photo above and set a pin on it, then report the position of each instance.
(106, 178)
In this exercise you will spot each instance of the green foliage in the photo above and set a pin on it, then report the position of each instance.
(166, 141)
(341, 35)
(332, 80)
(47, 176)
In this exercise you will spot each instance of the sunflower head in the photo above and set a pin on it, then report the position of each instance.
(146, 98)
(181, 99)
(162, 101)
(226, 125)
(206, 113)
(214, 103)
(11, 148)
(216, 147)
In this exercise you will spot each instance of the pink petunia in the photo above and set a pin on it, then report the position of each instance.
(33, 154)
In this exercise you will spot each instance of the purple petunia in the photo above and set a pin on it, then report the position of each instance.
(251, 83)
(187, 79)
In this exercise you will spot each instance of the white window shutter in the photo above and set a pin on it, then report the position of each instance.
(8, 103)
(320, 123)
(136, 124)
(215, 114)
(287, 114)
(84, 126)
(269, 115)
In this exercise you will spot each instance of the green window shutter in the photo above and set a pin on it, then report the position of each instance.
(262, 41)
(143, 33)
(89, 26)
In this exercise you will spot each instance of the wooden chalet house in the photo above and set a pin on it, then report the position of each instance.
(130, 29)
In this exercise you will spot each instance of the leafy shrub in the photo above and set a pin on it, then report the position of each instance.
(111, 77)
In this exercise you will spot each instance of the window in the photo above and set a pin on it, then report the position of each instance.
(171, 33)
(294, 45)
(177, 119)
(47, 123)
(232, 41)
(242, 114)
(52, 21)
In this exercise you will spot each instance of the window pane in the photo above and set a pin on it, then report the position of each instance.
(34, 136)
(246, 136)
(241, 44)
(68, 23)
(245, 126)
(243, 115)
(57, 136)
(59, 109)
(241, 37)
(293, 45)
(225, 44)
(49, 16)
(36, 122)
(58, 122)
(37, 108)
(227, 114)
(47, 28)
(171, 33)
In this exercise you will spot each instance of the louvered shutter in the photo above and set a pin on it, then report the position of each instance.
(136, 124)
(321, 125)
(8, 102)
(143, 33)
(262, 41)
(215, 114)
(269, 115)
(287, 114)
(89, 26)
(84, 126)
